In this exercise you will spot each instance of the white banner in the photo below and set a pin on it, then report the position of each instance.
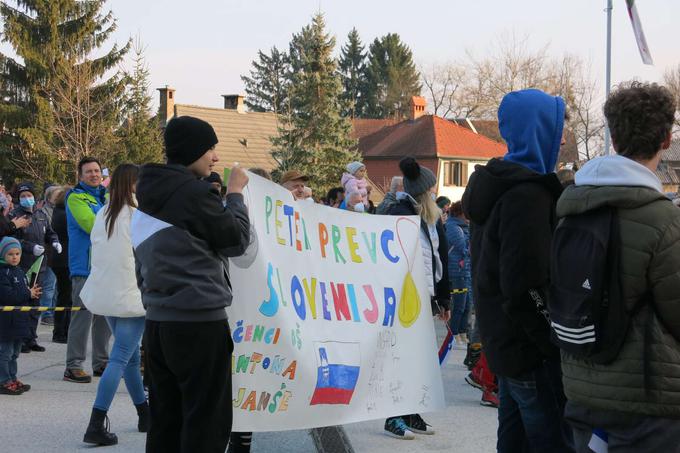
(331, 318)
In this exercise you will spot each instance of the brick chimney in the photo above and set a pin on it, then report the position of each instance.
(416, 107)
(166, 106)
(234, 102)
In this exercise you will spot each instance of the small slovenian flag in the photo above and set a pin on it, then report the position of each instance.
(338, 372)
(599, 441)
(444, 349)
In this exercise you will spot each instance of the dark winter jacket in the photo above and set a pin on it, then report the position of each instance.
(386, 204)
(7, 228)
(512, 210)
(182, 236)
(649, 228)
(59, 225)
(442, 298)
(458, 237)
(14, 325)
(39, 232)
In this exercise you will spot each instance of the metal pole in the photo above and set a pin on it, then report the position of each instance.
(608, 70)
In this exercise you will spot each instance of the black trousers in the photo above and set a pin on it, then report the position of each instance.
(62, 319)
(189, 366)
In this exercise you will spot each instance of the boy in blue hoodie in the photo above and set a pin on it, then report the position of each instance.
(511, 207)
(14, 325)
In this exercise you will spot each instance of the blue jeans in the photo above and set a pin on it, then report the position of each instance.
(9, 352)
(123, 362)
(460, 315)
(48, 284)
(530, 415)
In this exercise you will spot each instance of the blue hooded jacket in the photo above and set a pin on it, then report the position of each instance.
(531, 123)
(458, 237)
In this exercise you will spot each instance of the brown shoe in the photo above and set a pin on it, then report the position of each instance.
(77, 376)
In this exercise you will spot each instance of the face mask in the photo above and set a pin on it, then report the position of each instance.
(433, 196)
(359, 207)
(27, 202)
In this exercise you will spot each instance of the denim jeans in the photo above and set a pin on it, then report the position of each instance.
(123, 362)
(531, 412)
(48, 284)
(460, 315)
(9, 352)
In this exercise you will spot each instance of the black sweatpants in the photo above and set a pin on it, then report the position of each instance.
(189, 366)
(62, 319)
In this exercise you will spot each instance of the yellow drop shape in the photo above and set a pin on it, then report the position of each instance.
(409, 303)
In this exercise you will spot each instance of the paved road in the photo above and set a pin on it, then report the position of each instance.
(52, 417)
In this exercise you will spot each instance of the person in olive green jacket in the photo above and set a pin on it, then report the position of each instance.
(611, 402)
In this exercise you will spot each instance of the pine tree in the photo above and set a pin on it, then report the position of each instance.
(268, 84)
(392, 78)
(315, 138)
(353, 67)
(58, 104)
(139, 132)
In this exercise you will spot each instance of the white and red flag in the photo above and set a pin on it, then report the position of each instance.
(639, 34)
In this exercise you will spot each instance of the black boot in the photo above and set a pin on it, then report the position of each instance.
(143, 414)
(98, 430)
(474, 351)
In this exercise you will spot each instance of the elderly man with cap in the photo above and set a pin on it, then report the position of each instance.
(294, 181)
(35, 238)
(182, 236)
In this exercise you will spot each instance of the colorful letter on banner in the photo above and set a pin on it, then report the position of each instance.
(331, 320)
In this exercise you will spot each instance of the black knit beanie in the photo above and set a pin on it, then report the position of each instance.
(187, 139)
(417, 179)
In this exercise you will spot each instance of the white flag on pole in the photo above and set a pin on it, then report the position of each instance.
(639, 34)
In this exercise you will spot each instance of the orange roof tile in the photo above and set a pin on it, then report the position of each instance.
(365, 126)
(428, 136)
(454, 140)
(418, 100)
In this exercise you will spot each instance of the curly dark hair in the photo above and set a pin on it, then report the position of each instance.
(640, 117)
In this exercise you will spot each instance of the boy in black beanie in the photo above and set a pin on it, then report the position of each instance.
(182, 236)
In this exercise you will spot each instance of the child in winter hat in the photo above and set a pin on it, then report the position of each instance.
(14, 325)
(355, 180)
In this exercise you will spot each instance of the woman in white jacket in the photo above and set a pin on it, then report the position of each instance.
(111, 291)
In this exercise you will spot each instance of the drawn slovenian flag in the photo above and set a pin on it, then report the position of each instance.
(338, 372)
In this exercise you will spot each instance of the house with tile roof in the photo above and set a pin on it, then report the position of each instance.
(669, 168)
(244, 137)
(449, 150)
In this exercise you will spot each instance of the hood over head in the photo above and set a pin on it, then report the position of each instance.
(531, 123)
(491, 181)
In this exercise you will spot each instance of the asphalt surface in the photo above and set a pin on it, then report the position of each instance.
(53, 415)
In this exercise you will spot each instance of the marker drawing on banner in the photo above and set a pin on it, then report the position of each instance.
(338, 372)
(328, 318)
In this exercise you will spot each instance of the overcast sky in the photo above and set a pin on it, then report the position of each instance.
(201, 47)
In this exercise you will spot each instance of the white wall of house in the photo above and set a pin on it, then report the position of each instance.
(453, 185)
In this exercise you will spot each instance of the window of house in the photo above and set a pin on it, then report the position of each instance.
(455, 173)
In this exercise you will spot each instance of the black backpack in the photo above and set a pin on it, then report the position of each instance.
(588, 316)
